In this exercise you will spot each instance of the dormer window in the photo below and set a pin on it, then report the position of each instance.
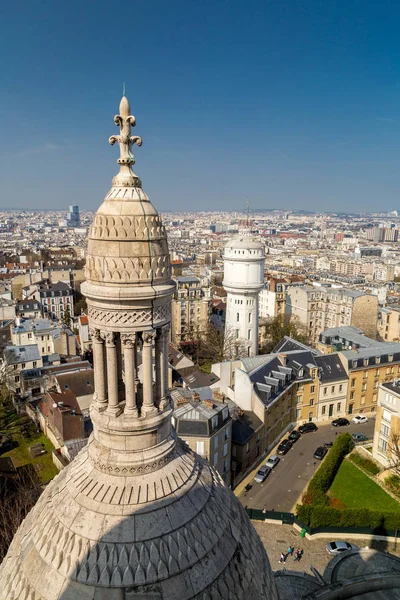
(366, 361)
(390, 357)
(301, 372)
(214, 422)
(355, 364)
(378, 360)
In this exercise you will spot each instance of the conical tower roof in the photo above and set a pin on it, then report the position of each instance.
(137, 514)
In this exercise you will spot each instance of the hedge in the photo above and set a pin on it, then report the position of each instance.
(365, 463)
(323, 478)
(325, 516)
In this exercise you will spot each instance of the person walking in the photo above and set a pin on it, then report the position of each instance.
(290, 550)
(282, 558)
(297, 554)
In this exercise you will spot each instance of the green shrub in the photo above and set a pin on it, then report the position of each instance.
(324, 516)
(393, 484)
(336, 503)
(323, 478)
(365, 463)
(303, 513)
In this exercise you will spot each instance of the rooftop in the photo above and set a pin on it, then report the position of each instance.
(21, 354)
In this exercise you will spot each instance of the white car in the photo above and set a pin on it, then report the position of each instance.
(339, 547)
(272, 461)
(360, 419)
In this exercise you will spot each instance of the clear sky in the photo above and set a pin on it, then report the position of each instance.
(291, 104)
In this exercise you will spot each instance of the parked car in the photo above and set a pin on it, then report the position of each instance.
(294, 436)
(360, 419)
(272, 461)
(307, 427)
(284, 447)
(359, 437)
(262, 474)
(340, 422)
(320, 452)
(338, 547)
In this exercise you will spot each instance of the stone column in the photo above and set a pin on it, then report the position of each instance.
(112, 373)
(159, 367)
(147, 371)
(129, 343)
(135, 360)
(99, 369)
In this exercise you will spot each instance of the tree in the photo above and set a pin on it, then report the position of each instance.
(67, 317)
(276, 328)
(80, 304)
(219, 344)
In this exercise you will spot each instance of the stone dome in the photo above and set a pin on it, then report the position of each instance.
(136, 514)
(244, 243)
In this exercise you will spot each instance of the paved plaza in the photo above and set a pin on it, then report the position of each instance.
(277, 539)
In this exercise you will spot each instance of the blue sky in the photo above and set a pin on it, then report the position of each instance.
(290, 104)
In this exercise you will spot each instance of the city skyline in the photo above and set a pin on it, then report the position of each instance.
(302, 100)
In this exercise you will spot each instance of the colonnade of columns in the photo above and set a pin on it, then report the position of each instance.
(116, 370)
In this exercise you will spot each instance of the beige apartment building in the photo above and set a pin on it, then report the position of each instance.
(272, 298)
(205, 425)
(389, 324)
(387, 423)
(191, 307)
(320, 307)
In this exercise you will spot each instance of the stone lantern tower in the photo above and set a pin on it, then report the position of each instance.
(137, 514)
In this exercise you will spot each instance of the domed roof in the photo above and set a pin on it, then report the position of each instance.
(127, 241)
(244, 243)
(171, 531)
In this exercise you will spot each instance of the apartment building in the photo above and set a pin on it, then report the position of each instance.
(190, 309)
(332, 388)
(205, 425)
(272, 298)
(387, 424)
(18, 360)
(389, 324)
(319, 307)
(367, 368)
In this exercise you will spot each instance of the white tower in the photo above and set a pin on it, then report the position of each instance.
(244, 259)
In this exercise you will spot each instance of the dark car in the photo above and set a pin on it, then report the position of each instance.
(320, 452)
(340, 422)
(307, 427)
(294, 436)
(284, 447)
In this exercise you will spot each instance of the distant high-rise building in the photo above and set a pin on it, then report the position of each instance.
(73, 218)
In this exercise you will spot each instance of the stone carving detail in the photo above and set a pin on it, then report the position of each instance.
(138, 317)
(148, 337)
(124, 470)
(127, 228)
(128, 339)
(108, 337)
(128, 270)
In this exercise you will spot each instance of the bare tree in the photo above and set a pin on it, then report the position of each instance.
(393, 454)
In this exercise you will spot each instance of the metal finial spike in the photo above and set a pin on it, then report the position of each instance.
(123, 89)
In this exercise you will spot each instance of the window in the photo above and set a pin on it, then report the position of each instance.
(29, 336)
(249, 334)
(226, 465)
(214, 422)
(16, 378)
(390, 358)
(339, 405)
(34, 363)
(351, 395)
(312, 390)
(385, 430)
(333, 389)
(225, 449)
(237, 334)
(299, 400)
(382, 445)
(225, 413)
(325, 391)
(42, 349)
(247, 447)
(354, 364)
(377, 361)
(215, 459)
(311, 401)
(200, 448)
(237, 316)
(23, 366)
(364, 387)
(324, 410)
(340, 387)
(353, 382)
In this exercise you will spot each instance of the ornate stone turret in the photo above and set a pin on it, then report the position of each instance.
(136, 514)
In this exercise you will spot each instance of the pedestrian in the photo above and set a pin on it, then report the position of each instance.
(301, 554)
(282, 558)
(290, 550)
(296, 554)
(264, 509)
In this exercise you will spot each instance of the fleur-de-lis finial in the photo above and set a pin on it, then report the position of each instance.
(125, 177)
